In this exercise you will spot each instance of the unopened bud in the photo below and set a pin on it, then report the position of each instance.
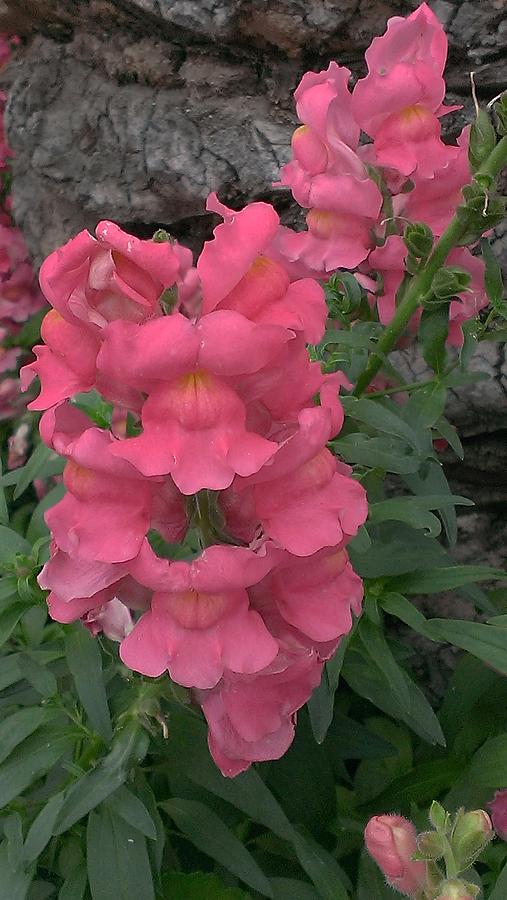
(418, 240)
(471, 834)
(457, 890)
(448, 282)
(309, 150)
(162, 236)
(392, 841)
(498, 807)
(431, 845)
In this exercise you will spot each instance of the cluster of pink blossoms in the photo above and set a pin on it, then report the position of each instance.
(398, 106)
(20, 296)
(215, 428)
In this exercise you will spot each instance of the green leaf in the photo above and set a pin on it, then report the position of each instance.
(487, 642)
(321, 703)
(75, 885)
(469, 682)
(37, 527)
(492, 275)
(41, 829)
(117, 859)
(371, 883)
(14, 881)
(500, 889)
(40, 456)
(489, 763)
(415, 510)
(197, 886)
(11, 543)
(450, 434)
(290, 889)
(378, 649)
(368, 680)
(99, 783)
(38, 676)
(322, 868)
(446, 578)
(9, 618)
(14, 729)
(429, 481)
(433, 331)
(36, 756)
(405, 611)
(127, 806)
(421, 785)
(377, 415)
(426, 405)
(389, 454)
(397, 549)
(85, 664)
(209, 834)
(4, 512)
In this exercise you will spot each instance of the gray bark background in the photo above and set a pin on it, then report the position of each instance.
(135, 110)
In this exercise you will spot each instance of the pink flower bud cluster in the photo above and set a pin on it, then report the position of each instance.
(392, 841)
(20, 296)
(215, 428)
(397, 106)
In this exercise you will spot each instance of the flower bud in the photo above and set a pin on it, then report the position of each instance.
(471, 833)
(456, 890)
(309, 150)
(449, 281)
(418, 240)
(392, 841)
(498, 807)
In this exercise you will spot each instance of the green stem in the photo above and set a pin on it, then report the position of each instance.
(411, 386)
(421, 283)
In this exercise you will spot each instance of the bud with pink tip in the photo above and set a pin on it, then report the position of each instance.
(498, 809)
(392, 841)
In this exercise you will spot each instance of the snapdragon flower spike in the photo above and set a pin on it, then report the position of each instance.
(253, 718)
(201, 623)
(399, 102)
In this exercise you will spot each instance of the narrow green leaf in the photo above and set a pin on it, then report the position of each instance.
(378, 416)
(117, 859)
(290, 889)
(14, 882)
(487, 642)
(450, 434)
(75, 885)
(433, 331)
(470, 680)
(492, 275)
(41, 829)
(389, 454)
(489, 763)
(198, 886)
(378, 649)
(431, 480)
(14, 729)
(500, 889)
(38, 676)
(321, 703)
(420, 785)
(415, 511)
(4, 512)
(405, 611)
(9, 618)
(36, 756)
(446, 578)
(368, 680)
(127, 806)
(371, 883)
(322, 868)
(210, 835)
(40, 456)
(426, 405)
(11, 543)
(85, 663)
(99, 783)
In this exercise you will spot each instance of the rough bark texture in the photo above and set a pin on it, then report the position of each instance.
(136, 109)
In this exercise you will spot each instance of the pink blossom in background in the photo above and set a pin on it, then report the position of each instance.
(498, 810)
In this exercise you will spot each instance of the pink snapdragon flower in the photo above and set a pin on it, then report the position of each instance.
(399, 102)
(392, 841)
(238, 272)
(201, 623)
(252, 718)
(328, 177)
